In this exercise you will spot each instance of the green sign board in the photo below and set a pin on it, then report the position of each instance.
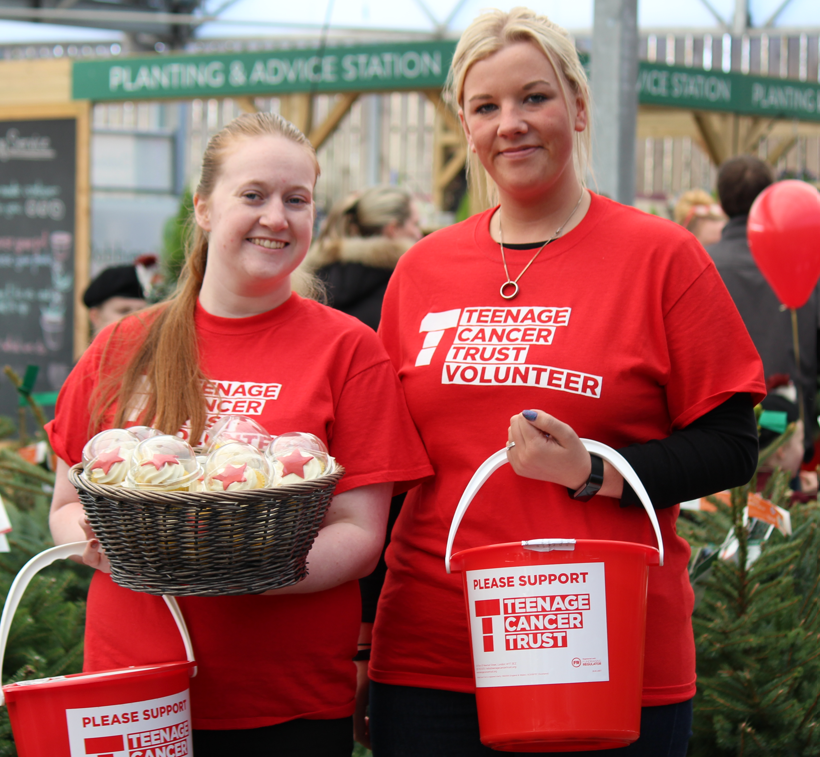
(697, 89)
(408, 66)
(388, 67)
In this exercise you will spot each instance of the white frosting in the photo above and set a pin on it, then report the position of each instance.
(254, 479)
(115, 476)
(313, 469)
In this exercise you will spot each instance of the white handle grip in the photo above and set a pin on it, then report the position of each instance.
(43, 560)
(496, 460)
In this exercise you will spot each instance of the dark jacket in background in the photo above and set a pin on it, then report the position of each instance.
(770, 326)
(355, 271)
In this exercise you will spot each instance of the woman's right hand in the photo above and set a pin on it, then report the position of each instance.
(68, 523)
(93, 555)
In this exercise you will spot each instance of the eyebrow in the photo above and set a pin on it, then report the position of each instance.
(526, 88)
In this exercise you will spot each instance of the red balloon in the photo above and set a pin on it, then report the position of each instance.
(784, 236)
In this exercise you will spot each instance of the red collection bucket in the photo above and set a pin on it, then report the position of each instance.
(137, 711)
(557, 629)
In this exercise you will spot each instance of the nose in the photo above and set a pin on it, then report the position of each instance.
(511, 120)
(273, 214)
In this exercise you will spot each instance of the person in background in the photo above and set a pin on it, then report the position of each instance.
(697, 212)
(740, 181)
(359, 245)
(779, 411)
(554, 315)
(119, 291)
(115, 293)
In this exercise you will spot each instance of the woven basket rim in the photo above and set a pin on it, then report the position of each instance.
(119, 493)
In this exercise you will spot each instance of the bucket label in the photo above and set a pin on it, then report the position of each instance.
(538, 624)
(153, 728)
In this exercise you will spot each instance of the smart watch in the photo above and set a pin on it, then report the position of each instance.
(591, 486)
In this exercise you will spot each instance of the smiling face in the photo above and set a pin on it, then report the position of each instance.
(519, 125)
(259, 219)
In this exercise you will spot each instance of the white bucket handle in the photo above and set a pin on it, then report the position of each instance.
(43, 560)
(497, 459)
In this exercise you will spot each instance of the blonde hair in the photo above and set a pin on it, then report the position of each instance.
(694, 205)
(367, 213)
(494, 30)
(169, 355)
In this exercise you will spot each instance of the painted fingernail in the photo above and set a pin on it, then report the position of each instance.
(530, 415)
(94, 544)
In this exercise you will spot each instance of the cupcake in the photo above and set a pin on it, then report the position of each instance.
(236, 466)
(298, 457)
(163, 463)
(106, 457)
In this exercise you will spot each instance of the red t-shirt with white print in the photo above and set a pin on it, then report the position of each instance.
(622, 329)
(262, 660)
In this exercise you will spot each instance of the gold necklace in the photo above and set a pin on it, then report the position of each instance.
(514, 283)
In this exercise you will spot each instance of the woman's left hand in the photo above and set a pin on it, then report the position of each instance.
(547, 449)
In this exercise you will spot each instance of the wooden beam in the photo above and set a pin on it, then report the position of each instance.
(713, 136)
(450, 118)
(452, 168)
(755, 129)
(780, 149)
(341, 107)
(449, 148)
(298, 109)
(246, 103)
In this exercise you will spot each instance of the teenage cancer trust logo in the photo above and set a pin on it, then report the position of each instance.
(533, 626)
(493, 346)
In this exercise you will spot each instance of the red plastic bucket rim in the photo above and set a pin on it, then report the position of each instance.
(651, 553)
(80, 679)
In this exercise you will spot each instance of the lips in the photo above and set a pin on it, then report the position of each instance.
(517, 152)
(271, 244)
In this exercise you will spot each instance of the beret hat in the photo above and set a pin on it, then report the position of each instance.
(117, 281)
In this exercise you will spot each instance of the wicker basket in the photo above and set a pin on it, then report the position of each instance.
(206, 543)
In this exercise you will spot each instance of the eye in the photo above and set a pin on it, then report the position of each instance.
(252, 195)
(536, 98)
(485, 109)
(298, 201)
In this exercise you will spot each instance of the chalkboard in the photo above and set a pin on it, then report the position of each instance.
(38, 170)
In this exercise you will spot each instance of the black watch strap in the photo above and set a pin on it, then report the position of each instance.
(592, 485)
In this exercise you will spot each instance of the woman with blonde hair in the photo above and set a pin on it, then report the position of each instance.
(359, 245)
(697, 212)
(605, 317)
(274, 676)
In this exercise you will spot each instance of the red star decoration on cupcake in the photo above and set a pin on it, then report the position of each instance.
(108, 458)
(294, 462)
(231, 474)
(159, 460)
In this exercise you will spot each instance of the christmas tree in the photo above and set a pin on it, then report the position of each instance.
(757, 628)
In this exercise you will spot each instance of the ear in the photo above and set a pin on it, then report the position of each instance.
(466, 130)
(581, 114)
(201, 213)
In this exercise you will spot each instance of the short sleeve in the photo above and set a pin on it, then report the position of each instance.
(711, 353)
(373, 435)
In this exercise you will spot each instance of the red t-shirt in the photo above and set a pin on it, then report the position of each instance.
(262, 660)
(624, 330)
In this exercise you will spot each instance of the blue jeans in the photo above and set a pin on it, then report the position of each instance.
(409, 722)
